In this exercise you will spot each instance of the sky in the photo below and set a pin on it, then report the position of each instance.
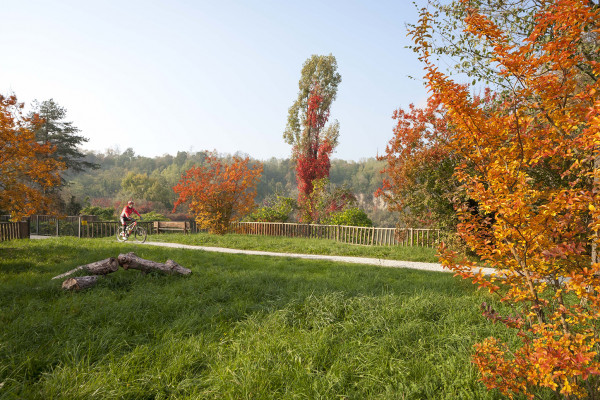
(168, 76)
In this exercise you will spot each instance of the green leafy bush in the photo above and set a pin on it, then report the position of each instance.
(104, 213)
(350, 216)
(277, 209)
(154, 216)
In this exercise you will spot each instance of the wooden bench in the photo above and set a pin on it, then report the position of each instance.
(172, 226)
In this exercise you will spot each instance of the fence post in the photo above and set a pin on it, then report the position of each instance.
(21, 230)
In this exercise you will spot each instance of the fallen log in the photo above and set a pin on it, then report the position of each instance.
(80, 282)
(130, 260)
(101, 267)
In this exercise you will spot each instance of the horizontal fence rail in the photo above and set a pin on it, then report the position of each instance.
(369, 236)
(83, 226)
(89, 227)
(14, 230)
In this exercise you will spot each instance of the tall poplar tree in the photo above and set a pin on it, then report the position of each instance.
(312, 141)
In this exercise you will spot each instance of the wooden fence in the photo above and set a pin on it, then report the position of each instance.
(14, 230)
(369, 236)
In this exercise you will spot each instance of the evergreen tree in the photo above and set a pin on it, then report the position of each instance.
(55, 130)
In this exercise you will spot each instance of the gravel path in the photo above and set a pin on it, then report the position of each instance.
(354, 260)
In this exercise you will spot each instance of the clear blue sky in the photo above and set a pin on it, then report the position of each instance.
(168, 76)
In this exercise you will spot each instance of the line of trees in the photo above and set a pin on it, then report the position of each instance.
(123, 174)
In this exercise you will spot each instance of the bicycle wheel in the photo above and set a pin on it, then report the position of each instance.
(139, 234)
(121, 237)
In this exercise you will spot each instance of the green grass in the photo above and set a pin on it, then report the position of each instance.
(300, 245)
(239, 327)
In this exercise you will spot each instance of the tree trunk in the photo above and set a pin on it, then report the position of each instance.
(80, 282)
(130, 260)
(102, 267)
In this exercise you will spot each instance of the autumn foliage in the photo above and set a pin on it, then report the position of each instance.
(27, 171)
(313, 142)
(530, 158)
(219, 192)
(312, 155)
(417, 177)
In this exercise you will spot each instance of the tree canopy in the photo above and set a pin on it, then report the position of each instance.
(319, 74)
(312, 142)
(530, 159)
(63, 135)
(219, 192)
(27, 168)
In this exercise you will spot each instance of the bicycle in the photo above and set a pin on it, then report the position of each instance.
(132, 230)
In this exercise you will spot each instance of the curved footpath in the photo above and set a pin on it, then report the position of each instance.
(346, 259)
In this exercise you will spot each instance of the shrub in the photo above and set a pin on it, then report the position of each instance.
(278, 209)
(104, 213)
(154, 216)
(350, 216)
(219, 192)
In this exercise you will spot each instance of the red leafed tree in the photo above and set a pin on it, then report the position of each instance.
(312, 141)
(219, 192)
(531, 159)
(312, 157)
(26, 169)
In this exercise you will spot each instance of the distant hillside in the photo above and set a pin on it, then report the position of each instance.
(149, 181)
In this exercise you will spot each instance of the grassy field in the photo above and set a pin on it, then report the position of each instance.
(300, 245)
(240, 327)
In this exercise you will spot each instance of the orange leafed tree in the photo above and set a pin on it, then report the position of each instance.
(219, 192)
(418, 181)
(26, 170)
(531, 159)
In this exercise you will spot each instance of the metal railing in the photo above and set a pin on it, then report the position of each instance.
(89, 227)
(97, 229)
(83, 226)
(359, 235)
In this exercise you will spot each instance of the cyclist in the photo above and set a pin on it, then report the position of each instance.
(126, 213)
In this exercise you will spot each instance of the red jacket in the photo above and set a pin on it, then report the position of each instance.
(127, 211)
